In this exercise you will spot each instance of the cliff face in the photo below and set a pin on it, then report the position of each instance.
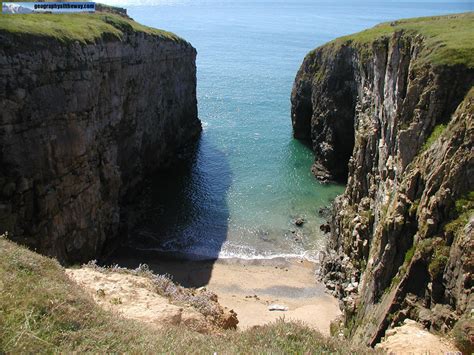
(82, 122)
(391, 109)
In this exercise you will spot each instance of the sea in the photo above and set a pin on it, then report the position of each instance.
(249, 179)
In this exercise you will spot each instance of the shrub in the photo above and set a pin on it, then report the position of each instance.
(437, 131)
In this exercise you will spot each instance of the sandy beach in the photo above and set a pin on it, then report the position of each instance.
(249, 287)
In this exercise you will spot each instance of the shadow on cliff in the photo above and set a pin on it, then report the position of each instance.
(178, 224)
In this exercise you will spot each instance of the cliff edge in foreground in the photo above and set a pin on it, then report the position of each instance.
(55, 314)
(391, 109)
(89, 104)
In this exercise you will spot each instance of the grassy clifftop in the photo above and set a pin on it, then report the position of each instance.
(447, 39)
(41, 309)
(84, 28)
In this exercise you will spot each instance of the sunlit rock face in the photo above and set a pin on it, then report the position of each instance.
(399, 129)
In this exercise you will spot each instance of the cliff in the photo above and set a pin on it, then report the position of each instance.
(390, 111)
(89, 105)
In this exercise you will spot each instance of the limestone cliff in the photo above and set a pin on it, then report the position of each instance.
(391, 110)
(89, 105)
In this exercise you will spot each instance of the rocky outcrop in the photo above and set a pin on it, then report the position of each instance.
(410, 338)
(384, 111)
(82, 122)
(153, 299)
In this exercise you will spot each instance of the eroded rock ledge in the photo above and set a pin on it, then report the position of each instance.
(391, 110)
(82, 121)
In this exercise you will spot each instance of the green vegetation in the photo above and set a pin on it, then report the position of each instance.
(351, 325)
(414, 207)
(425, 246)
(41, 310)
(335, 327)
(464, 209)
(368, 215)
(465, 203)
(447, 39)
(438, 261)
(84, 28)
(409, 255)
(437, 131)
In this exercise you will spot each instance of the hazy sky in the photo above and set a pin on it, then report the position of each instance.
(174, 2)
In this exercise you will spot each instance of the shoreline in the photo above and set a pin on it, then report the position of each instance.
(122, 253)
(249, 287)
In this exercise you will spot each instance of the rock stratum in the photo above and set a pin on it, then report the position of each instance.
(89, 105)
(390, 111)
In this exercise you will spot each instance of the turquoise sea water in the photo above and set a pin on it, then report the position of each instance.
(250, 178)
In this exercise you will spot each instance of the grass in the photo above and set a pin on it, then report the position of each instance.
(83, 28)
(447, 39)
(464, 209)
(41, 310)
(435, 134)
(465, 203)
(414, 207)
(409, 255)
